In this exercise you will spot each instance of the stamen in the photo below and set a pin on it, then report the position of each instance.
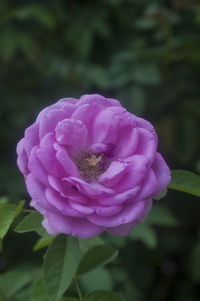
(91, 165)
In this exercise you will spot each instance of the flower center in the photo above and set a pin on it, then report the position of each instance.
(91, 165)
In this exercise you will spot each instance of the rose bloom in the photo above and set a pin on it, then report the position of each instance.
(91, 166)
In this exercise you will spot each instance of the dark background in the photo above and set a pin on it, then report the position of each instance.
(147, 55)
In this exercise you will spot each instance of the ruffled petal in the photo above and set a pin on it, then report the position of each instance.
(79, 227)
(31, 138)
(147, 208)
(120, 197)
(130, 213)
(72, 133)
(122, 230)
(60, 203)
(83, 210)
(37, 191)
(47, 156)
(108, 210)
(87, 114)
(92, 189)
(22, 160)
(98, 99)
(65, 160)
(147, 145)
(114, 174)
(36, 167)
(162, 173)
(137, 170)
(105, 127)
(49, 121)
(148, 187)
(127, 139)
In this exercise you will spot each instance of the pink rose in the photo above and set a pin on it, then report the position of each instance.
(90, 166)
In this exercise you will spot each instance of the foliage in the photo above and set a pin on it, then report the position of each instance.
(145, 53)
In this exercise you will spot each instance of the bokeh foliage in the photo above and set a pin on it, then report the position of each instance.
(146, 54)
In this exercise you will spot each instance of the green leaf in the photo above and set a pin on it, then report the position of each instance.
(8, 212)
(97, 279)
(145, 234)
(185, 181)
(12, 281)
(161, 216)
(39, 291)
(31, 222)
(102, 295)
(161, 195)
(4, 200)
(95, 257)
(43, 242)
(87, 243)
(69, 299)
(1, 245)
(147, 74)
(194, 263)
(60, 265)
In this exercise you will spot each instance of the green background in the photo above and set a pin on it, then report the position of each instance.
(147, 55)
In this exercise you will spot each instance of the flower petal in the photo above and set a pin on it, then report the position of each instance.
(114, 174)
(31, 137)
(47, 156)
(162, 173)
(79, 227)
(36, 167)
(98, 99)
(60, 203)
(122, 230)
(130, 213)
(72, 133)
(92, 189)
(65, 160)
(147, 145)
(49, 121)
(137, 170)
(22, 160)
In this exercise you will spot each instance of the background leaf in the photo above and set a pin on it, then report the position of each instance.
(31, 222)
(185, 181)
(8, 212)
(103, 296)
(95, 257)
(60, 265)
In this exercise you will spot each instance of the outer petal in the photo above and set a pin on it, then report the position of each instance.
(47, 156)
(147, 208)
(119, 198)
(136, 172)
(147, 145)
(121, 230)
(98, 99)
(36, 167)
(78, 227)
(127, 139)
(49, 121)
(60, 203)
(148, 187)
(105, 128)
(130, 213)
(162, 173)
(92, 189)
(37, 192)
(22, 160)
(31, 138)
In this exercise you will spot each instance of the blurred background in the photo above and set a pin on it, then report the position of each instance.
(146, 53)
